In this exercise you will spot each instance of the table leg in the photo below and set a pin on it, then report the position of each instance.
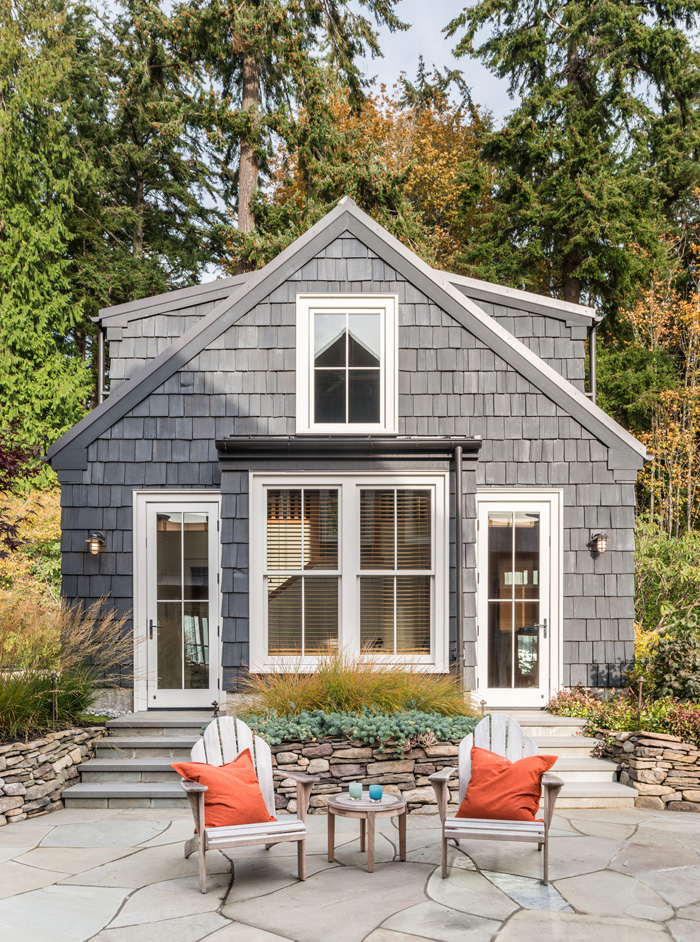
(402, 835)
(370, 841)
(331, 835)
(362, 834)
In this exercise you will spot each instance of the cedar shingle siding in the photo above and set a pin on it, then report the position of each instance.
(450, 383)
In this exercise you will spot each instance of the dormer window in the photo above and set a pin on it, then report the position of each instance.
(346, 363)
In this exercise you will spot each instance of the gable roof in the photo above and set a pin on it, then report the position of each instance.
(524, 301)
(70, 451)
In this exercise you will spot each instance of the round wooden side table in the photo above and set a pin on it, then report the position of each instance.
(367, 811)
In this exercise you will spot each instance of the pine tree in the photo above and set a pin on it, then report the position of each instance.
(267, 61)
(608, 97)
(44, 380)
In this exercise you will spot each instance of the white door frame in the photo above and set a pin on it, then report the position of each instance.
(145, 673)
(516, 499)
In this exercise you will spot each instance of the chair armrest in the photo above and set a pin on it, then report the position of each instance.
(193, 787)
(439, 782)
(298, 777)
(551, 785)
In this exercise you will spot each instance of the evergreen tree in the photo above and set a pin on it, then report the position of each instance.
(608, 97)
(268, 64)
(44, 380)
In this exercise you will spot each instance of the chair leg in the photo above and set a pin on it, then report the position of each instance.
(545, 862)
(444, 857)
(301, 859)
(540, 846)
(268, 846)
(202, 866)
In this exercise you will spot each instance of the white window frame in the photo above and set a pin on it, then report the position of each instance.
(510, 499)
(385, 304)
(349, 486)
(144, 675)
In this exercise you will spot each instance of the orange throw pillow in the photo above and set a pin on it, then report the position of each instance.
(234, 795)
(503, 790)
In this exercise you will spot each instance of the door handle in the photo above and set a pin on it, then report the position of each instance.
(151, 627)
(543, 626)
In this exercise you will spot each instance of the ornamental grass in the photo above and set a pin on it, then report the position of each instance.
(345, 684)
(51, 662)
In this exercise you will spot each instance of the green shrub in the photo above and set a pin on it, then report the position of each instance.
(80, 648)
(667, 576)
(620, 713)
(397, 730)
(350, 685)
(26, 701)
(671, 665)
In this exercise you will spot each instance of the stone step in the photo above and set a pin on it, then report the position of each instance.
(157, 769)
(187, 723)
(125, 795)
(566, 746)
(583, 769)
(596, 795)
(170, 795)
(119, 770)
(134, 747)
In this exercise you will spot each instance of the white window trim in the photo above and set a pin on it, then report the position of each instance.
(141, 500)
(310, 304)
(349, 485)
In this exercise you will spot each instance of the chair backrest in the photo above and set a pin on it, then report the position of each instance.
(224, 739)
(497, 733)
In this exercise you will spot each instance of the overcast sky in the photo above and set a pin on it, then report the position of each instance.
(425, 37)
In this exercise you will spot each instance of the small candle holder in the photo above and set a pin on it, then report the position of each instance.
(355, 790)
(375, 792)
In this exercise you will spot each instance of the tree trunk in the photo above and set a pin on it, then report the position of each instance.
(248, 170)
(571, 285)
(138, 224)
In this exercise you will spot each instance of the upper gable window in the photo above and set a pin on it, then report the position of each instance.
(346, 363)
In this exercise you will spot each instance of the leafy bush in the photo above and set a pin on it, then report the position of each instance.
(350, 685)
(620, 713)
(671, 665)
(667, 576)
(33, 571)
(397, 730)
(76, 649)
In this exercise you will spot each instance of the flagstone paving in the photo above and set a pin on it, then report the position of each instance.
(120, 876)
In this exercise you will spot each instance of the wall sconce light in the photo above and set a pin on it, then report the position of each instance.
(599, 542)
(95, 541)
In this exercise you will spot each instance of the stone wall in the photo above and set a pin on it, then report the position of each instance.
(34, 774)
(337, 762)
(664, 769)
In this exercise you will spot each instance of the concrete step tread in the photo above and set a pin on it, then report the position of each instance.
(160, 721)
(148, 742)
(552, 742)
(542, 719)
(584, 763)
(126, 790)
(137, 790)
(597, 790)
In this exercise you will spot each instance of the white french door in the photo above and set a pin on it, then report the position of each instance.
(518, 585)
(179, 614)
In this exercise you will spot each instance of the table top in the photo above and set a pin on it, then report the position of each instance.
(343, 802)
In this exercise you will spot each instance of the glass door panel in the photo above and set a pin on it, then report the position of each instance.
(182, 555)
(514, 582)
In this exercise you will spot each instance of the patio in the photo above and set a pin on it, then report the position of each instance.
(119, 876)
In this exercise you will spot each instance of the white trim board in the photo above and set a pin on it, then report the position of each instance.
(141, 500)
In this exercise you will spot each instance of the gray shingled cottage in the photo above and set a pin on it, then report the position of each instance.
(272, 478)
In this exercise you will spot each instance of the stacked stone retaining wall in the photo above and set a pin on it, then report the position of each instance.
(337, 762)
(664, 769)
(34, 774)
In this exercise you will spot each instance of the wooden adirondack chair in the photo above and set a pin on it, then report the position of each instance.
(505, 737)
(223, 739)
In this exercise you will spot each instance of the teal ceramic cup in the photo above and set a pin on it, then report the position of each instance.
(375, 792)
(355, 789)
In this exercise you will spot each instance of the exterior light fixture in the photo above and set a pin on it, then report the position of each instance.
(599, 542)
(95, 541)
